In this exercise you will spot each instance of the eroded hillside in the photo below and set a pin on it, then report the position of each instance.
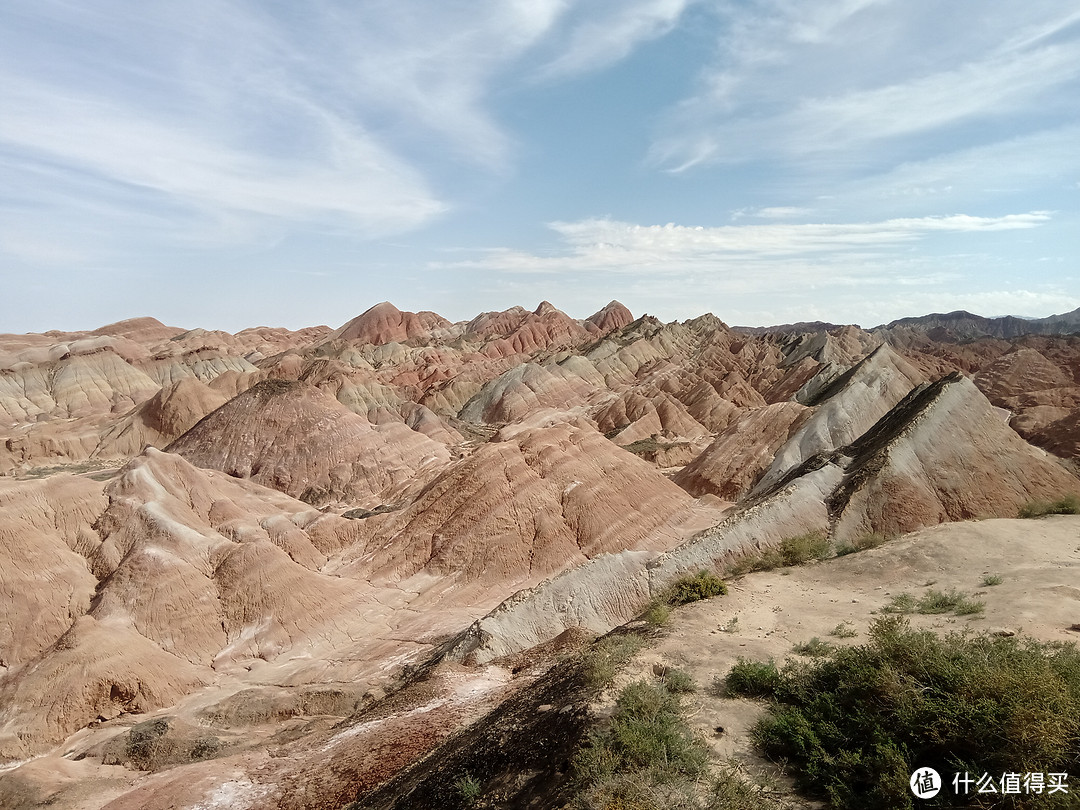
(226, 557)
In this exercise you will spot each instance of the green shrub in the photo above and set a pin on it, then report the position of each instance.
(1066, 505)
(658, 613)
(753, 678)
(863, 543)
(901, 603)
(813, 648)
(854, 724)
(679, 682)
(934, 602)
(843, 630)
(952, 600)
(468, 789)
(992, 579)
(606, 657)
(648, 736)
(702, 585)
(790, 551)
(648, 758)
(804, 547)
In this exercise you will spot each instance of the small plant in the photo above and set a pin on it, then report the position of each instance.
(992, 579)
(731, 625)
(702, 585)
(658, 613)
(809, 546)
(844, 630)
(951, 601)
(604, 659)
(901, 603)
(862, 543)
(648, 741)
(868, 541)
(1066, 505)
(468, 789)
(791, 551)
(730, 791)
(678, 682)
(969, 607)
(751, 679)
(814, 648)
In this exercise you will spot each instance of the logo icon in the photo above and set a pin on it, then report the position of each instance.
(925, 783)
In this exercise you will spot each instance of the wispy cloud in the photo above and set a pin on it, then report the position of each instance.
(772, 212)
(621, 247)
(609, 32)
(246, 117)
(804, 82)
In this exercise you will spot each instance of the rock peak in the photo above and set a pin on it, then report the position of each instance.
(385, 323)
(613, 316)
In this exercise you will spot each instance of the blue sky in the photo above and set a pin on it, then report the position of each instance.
(231, 164)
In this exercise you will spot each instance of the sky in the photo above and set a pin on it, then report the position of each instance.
(292, 162)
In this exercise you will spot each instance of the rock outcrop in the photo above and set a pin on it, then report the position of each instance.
(295, 438)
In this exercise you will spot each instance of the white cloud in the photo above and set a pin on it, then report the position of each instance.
(246, 116)
(772, 272)
(610, 35)
(794, 80)
(350, 175)
(604, 244)
(772, 212)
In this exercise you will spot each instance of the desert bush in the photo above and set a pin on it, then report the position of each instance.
(901, 603)
(205, 748)
(1065, 505)
(679, 682)
(648, 758)
(934, 602)
(844, 630)
(648, 739)
(854, 724)
(952, 600)
(702, 585)
(148, 743)
(751, 679)
(804, 547)
(813, 648)
(658, 613)
(861, 543)
(604, 659)
(790, 551)
(992, 579)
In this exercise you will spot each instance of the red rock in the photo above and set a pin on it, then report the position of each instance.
(385, 323)
(613, 316)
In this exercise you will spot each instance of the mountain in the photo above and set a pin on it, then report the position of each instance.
(961, 325)
(295, 568)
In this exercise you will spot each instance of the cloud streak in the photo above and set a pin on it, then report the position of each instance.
(806, 82)
(621, 247)
(605, 38)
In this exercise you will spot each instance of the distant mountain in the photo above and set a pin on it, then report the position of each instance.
(961, 325)
(793, 328)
